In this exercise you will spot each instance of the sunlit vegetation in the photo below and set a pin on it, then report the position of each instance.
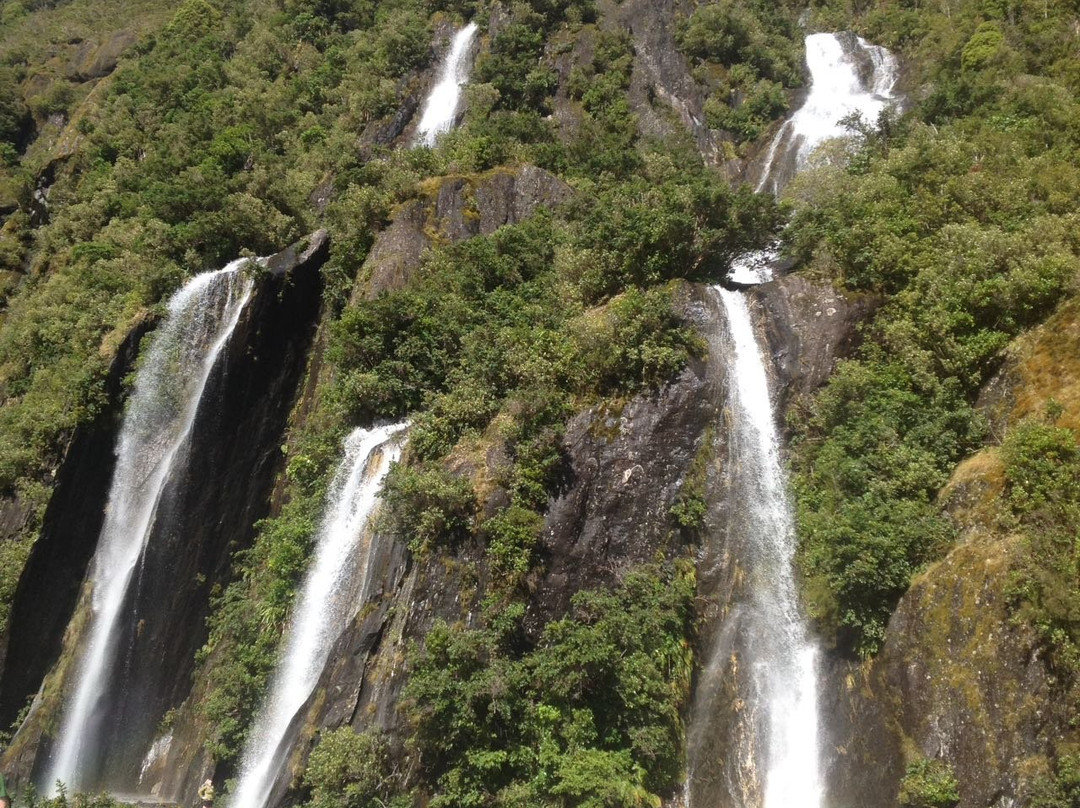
(960, 217)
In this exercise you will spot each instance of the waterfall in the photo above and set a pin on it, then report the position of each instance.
(753, 739)
(151, 446)
(761, 648)
(839, 87)
(334, 589)
(442, 103)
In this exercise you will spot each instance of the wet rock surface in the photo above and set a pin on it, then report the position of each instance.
(458, 208)
(205, 514)
(49, 586)
(808, 327)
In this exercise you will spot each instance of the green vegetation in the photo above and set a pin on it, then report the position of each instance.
(929, 784)
(590, 716)
(960, 217)
(353, 770)
(239, 125)
(1042, 473)
(748, 54)
(1062, 790)
(65, 800)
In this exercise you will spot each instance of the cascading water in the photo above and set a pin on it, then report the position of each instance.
(848, 76)
(333, 591)
(158, 420)
(442, 104)
(753, 737)
(758, 689)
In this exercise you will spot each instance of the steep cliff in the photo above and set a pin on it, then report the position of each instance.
(201, 520)
(531, 293)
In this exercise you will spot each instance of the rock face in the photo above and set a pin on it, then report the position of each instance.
(92, 60)
(203, 517)
(457, 208)
(808, 327)
(626, 468)
(49, 587)
(661, 73)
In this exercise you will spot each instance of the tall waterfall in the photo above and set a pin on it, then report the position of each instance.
(152, 445)
(753, 735)
(333, 591)
(442, 103)
(848, 76)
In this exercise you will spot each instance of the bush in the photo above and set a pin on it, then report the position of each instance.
(1062, 789)
(349, 769)
(427, 508)
(590, 715)
(929, 784)
(637, 340)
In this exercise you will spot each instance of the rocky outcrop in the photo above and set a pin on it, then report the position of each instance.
(661, 74)
(49, 585)
(808, 327)
(454, 209)
(205, 514)
(94, 60)
(959, 679)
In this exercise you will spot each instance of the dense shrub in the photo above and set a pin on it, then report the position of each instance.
(1042, 473)
(590, 716)
(929, 784)
(349, 769)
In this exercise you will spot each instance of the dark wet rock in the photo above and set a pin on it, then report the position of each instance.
(458, 208)
(206, 513)
(808, 327)
(627, 467)
(49, 586)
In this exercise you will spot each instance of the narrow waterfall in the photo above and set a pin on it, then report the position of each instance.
(158, 420)
(848, 76)
(442, 103)
(753, 735)
(333, 591)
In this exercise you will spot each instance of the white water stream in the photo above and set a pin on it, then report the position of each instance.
(782, 658)
(442, 103)
(760, 677)
(333, 591)
(157, 422)
(838, 89)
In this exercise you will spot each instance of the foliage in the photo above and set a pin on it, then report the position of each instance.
(350, 769)
(428, 508)
(959, 220)
(691, 505)
(1062, 790)
(748, 54)
(589, 716)
(65, 800)
(929, 784)
(1042, 473)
